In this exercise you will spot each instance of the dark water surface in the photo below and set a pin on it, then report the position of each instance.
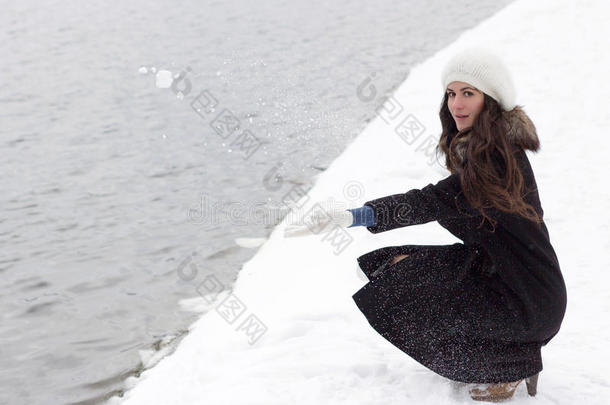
(101, 167)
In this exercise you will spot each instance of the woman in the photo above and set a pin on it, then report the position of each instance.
(479, 311)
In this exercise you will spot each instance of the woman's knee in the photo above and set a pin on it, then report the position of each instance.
(398, 258)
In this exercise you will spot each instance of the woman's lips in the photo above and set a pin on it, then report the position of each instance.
(461, 118)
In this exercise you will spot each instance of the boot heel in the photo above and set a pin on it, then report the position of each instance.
(532, 384)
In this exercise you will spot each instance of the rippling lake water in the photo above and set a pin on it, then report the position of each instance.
(106, 174)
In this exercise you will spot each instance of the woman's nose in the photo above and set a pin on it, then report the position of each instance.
(458, 103)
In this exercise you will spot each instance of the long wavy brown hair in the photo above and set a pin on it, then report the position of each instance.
(489, 172)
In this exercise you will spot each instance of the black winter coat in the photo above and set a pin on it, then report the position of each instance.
(477, 311)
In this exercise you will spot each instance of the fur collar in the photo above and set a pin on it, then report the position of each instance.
(520, 131)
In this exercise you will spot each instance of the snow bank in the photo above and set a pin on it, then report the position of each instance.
(317, 347)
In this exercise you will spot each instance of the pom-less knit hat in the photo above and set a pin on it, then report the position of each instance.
(484, 70)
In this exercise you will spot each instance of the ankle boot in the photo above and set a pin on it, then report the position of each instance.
(532, 384)
(502, 391)
(496, 392)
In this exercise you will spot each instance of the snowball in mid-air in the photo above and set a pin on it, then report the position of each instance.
(164, 79)
(143, 70)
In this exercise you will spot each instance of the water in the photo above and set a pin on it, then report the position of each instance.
(105, 174)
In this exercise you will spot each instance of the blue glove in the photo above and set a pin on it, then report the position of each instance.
(363, 216)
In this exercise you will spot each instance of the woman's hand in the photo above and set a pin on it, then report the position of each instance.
(317, 220)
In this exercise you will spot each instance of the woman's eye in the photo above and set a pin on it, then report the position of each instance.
(451, 94)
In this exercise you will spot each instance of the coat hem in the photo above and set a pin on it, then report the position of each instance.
(459, 360)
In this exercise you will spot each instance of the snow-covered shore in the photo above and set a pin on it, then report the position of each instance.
(317, 347)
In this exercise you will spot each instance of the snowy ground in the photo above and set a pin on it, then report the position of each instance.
(318, 348)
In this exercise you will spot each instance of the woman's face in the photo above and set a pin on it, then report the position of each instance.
(465, 103)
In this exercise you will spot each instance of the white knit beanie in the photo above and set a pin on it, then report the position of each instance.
(484, 70)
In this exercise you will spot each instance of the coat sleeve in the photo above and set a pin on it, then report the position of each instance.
(443, 200)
